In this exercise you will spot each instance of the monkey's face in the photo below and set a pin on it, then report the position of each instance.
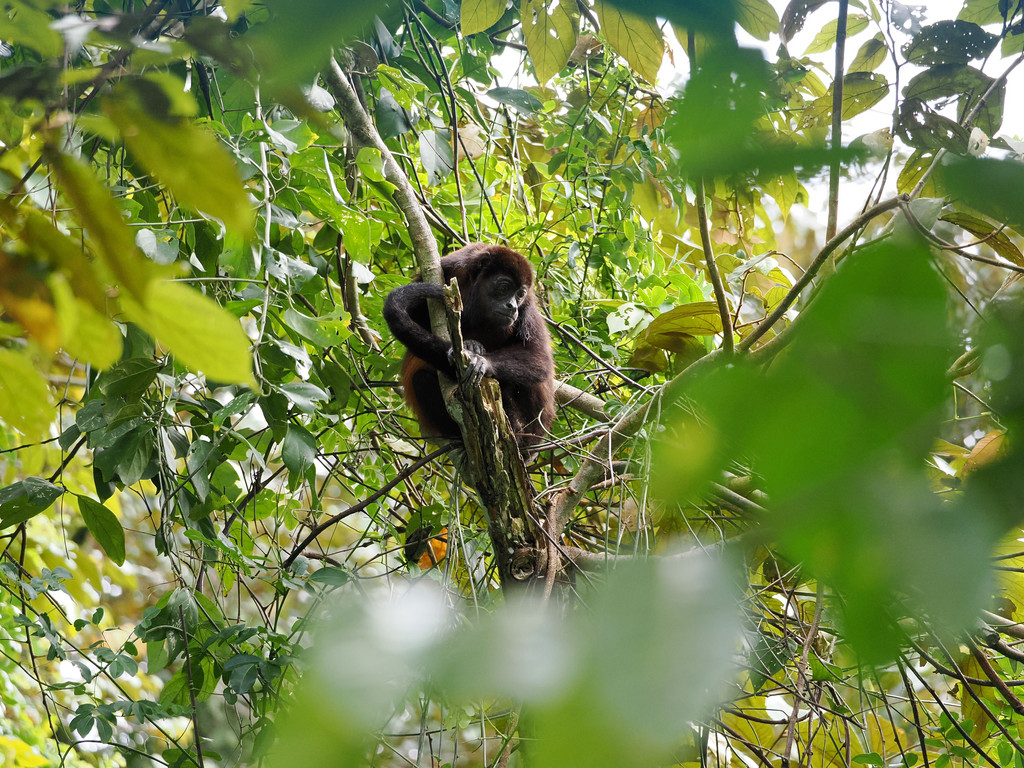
(502, 296)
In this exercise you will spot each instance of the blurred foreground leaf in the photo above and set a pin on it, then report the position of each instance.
(614, 685)
(856, 399)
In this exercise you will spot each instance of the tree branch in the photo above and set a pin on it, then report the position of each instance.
(837, 122)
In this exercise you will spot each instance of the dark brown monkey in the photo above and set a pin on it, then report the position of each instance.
(506, 339)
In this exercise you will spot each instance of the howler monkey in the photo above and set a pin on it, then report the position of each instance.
(505, 336)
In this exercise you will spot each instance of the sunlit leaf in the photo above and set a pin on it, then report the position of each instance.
(826, 39)
(480, 15)
(189, 160)
(983, 11)
(994, 237)
(94, 208)
(24, 397)
(757, 17)
(550, 32)
(870, 55)
(201, 334)
(635, 38)
(85, 333)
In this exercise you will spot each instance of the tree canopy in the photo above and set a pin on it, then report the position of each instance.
(777, 519)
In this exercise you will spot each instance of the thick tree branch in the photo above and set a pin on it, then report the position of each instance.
(365, 135)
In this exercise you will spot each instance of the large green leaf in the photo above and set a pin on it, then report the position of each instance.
(104, 526)
(481, 15)
(757, 17)
(201, 334)
(839, 427)
(24, 500)
(550, 34)
(193, 164)
(988, 185)
(86, 334)
(92, 205)
(949, 42)
(825, 40)
(870, 55)
(635, 38)
(24, 397)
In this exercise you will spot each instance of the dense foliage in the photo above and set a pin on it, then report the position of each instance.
(789, 298)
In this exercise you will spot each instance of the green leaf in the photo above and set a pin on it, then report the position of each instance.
(436, 155)
(104, 526)
(24, 500)
(635, 38)
(795, 15)
(870, 55)
(297, 42)
(949, 42)
(480, 15)
(331, 576)
(201, 334)
(24, 397)
(988, 185)
(861, 91)
(95, 209)
(85, 334)
(518, 99)
(129, 379)
(969, 84)
(30, 27)
(298, 452)
(198, 454)
(994, 237)
(550, 34)
(982, 11)
(825, 40)
(757, 17)
(188, 159)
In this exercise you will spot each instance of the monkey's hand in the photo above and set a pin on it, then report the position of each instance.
(477, 365)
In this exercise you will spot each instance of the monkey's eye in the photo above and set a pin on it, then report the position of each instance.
(521, 294)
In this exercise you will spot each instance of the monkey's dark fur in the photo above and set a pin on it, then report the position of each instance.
(505, 334)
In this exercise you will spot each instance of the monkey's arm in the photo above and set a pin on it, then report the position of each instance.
(398, 306)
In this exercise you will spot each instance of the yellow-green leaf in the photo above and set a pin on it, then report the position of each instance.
(24, 397)
(197, 330)
(480, 15)
(757, 17)
(48, 243)
(104, 526)
(870, 55)
(85, 334)
(30, 27)
(826, 39)
(635, 38)
(550, 32)
(96, 211)
(193, 164)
